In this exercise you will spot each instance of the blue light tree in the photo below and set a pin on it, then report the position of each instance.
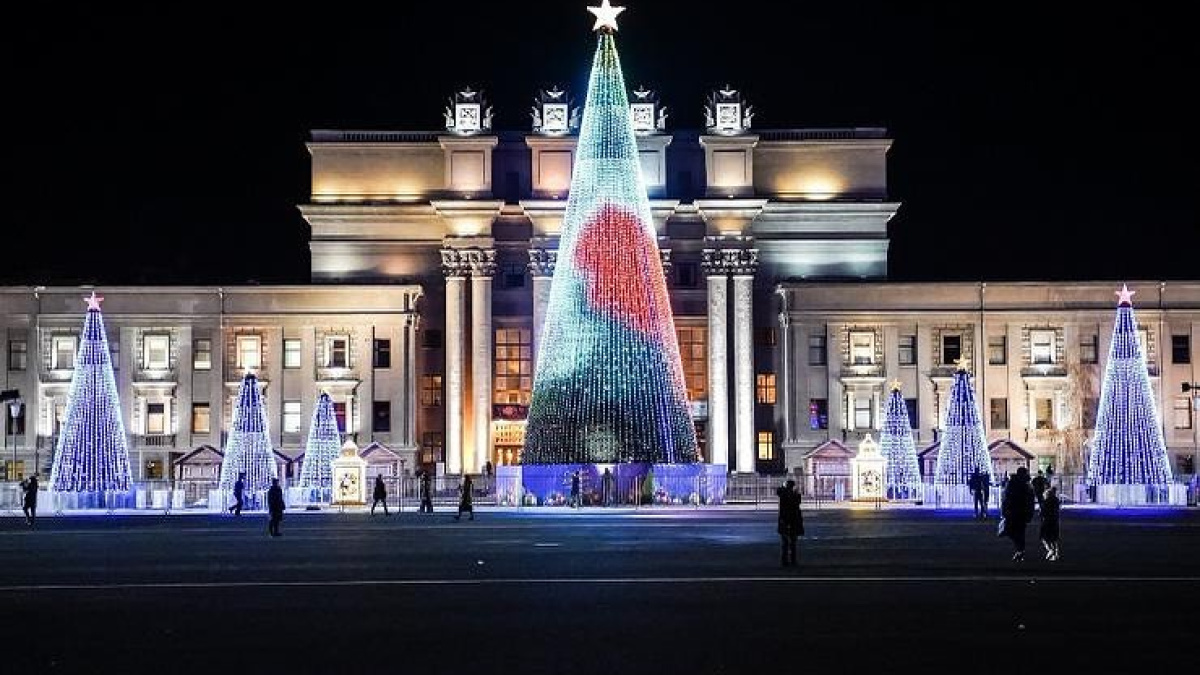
(1128, 447)
(609, 385)
(249, 448)
(964, 445)
(896, 444)
(324, 445)
(93, 452)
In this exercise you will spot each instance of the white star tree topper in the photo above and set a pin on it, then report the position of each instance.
(1124, 296)
(94, 301)
(606, 16)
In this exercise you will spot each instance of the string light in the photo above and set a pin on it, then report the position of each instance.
(609, 385)
(896, 444)
(92, 453)
(1128, 447)
(964, 446)
(324, 445)
(249, 448)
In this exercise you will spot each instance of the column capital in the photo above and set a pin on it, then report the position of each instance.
(454, 264)
(730, 261)
(664, 255)
(482, 262)
(542, 261)
(470, 261)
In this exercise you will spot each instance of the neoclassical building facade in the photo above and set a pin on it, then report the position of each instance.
(432, 257)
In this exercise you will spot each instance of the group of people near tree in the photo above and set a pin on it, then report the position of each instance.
(1023, 497)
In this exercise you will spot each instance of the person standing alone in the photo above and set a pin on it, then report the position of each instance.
(791, 522)
(575, 490)
(239, 489)
(464, 502)
(426, 493)
(379, 496)
(29, 499)
(275, 507)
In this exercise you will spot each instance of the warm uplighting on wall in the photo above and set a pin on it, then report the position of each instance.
(815, 187)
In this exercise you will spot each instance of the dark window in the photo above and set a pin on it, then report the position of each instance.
(512, 187)
(513, 275)
(1089, 350)
(18, 354)
(766, 337)
(908, 350)
(911, 404)
(999, 419)
(951, 349)
(818, 413)
(383, 353)
(816, 350)
(339, 413)
(1181, 349)
(1090, 407)
(997, 350)
(431, 338)
(686, 274)
(382, 416)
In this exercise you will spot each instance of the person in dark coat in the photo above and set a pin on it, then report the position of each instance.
(606, 488)
(426, 493)
(985, 493)
(239, 489)
(29, 499)
(791, 522)
(464, 502)
(1039, 484)
(1051, 510)
(1017, 509)
(575, 490)
(975, 484)
(379, 496)
(275, 507)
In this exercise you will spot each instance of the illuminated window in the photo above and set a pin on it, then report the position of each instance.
(1043, 413)
(908, 350)
(201, 418)
(291, 353)
(1041, 346)
(862, 348)
(291, 417)
(766, 445)
(156, 419)
(818, 413)
(431, 390)
(62, 352)
(202, 355)
(1182, 412)
(156, 352)
(999, 419)
(764, 385)
(863, 412)
(431, 447)
(249, 352)
(512, 380)
(693, 351)
(18, 354)
(997, 350)
(337, 352)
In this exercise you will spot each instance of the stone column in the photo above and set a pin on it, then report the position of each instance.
(783, 378)
(455, 269)
(541, 268)
(746, 261)
(718, 369)
(411, 381)
(483, 267)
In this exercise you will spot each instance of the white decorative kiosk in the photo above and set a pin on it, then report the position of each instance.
(868, 468)
(349, 477)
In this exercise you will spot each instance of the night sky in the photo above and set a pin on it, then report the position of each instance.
(166, 145)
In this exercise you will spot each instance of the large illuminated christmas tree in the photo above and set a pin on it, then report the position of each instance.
(609, 385)
(1128, 447)
(249, 448)
(324, 445)
(92, 453)
(896, 444)
(964, 446)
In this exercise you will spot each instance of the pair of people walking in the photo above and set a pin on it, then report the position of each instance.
(1017, 509)
(980, 485)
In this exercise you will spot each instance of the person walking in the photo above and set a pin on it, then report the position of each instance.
(426, 493)
(1051, 511)
(275, 507)
(975, 485)
(1039, 485)
(1017, 509)
(379, 496)
(239, 489)
(464, 501)
(791, 522)
(985, 493)
(29, 499)
(606, 487)
(575, 490)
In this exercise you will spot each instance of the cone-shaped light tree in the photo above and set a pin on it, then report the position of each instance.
(324, 444)
(964, 446)
(896, 444)
(249, 448)
(609, 385)
(92, 453)
(1128, 447)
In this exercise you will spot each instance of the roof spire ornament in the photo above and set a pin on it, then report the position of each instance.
(1124, 296)
(606, 16)
(93, 302)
